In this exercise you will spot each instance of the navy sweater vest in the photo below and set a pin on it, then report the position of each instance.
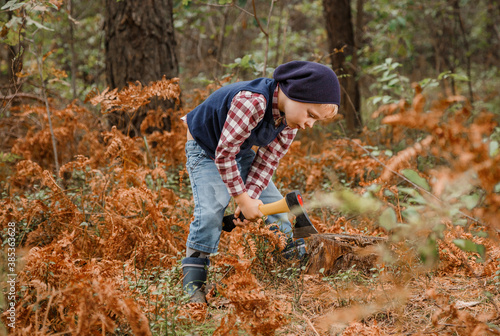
(207, 120)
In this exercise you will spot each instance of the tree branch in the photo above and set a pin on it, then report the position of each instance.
(21, 96)
(257, 18)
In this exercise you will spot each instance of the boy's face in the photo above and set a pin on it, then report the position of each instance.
(302, 115)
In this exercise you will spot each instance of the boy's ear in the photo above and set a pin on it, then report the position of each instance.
(331, 110)
(339, 116)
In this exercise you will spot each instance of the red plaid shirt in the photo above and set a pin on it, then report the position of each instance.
(247, 109)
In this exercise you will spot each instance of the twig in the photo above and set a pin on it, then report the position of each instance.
(264, 70)
(22, 95)
(229, 5)
(72, 22)
(16, 81)
(309, 323)
(54, 145)
(254, 14)
(452, 325)
(456, 10)
(63, 333)
(257, 18)
(264, 31)
(350, 102)
(148, 152)
(54, 294)
(492, 300)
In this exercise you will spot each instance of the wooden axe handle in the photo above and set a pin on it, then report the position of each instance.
(266, 209)
(274, 208)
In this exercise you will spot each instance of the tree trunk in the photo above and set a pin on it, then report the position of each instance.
(332, 253)
(72, 49)
(493, 34)
(221, 43)
(140, 46)
(342, 47)
(15, 56)
(466, 49)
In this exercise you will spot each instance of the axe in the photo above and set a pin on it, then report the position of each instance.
(293, 203)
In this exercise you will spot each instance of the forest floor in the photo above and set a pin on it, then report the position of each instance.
(98, 245)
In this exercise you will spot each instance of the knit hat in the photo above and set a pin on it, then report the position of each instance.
(308, 82)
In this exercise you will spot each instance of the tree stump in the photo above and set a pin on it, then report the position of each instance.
(339, 252)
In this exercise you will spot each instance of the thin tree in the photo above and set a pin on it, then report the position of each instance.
(343, 47)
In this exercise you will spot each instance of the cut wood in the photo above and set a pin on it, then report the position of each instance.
(339, 252)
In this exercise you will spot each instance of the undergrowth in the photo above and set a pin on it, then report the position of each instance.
(99, 242)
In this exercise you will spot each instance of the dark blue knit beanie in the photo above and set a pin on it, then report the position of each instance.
(308, 82)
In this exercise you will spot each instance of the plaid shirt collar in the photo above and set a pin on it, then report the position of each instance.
(279, 117)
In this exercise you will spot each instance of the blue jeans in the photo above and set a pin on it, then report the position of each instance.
(211, 198)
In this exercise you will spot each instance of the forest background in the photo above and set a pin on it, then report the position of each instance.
(98, 215)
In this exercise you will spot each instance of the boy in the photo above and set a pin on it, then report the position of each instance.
(221, 164)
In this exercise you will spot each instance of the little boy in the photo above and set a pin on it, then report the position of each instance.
(221, 164)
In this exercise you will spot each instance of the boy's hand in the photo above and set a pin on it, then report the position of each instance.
(248, 206)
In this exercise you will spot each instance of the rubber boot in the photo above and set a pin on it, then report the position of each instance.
(295, 249)
(195, 277)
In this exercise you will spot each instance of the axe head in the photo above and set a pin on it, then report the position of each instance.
(303, 226)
